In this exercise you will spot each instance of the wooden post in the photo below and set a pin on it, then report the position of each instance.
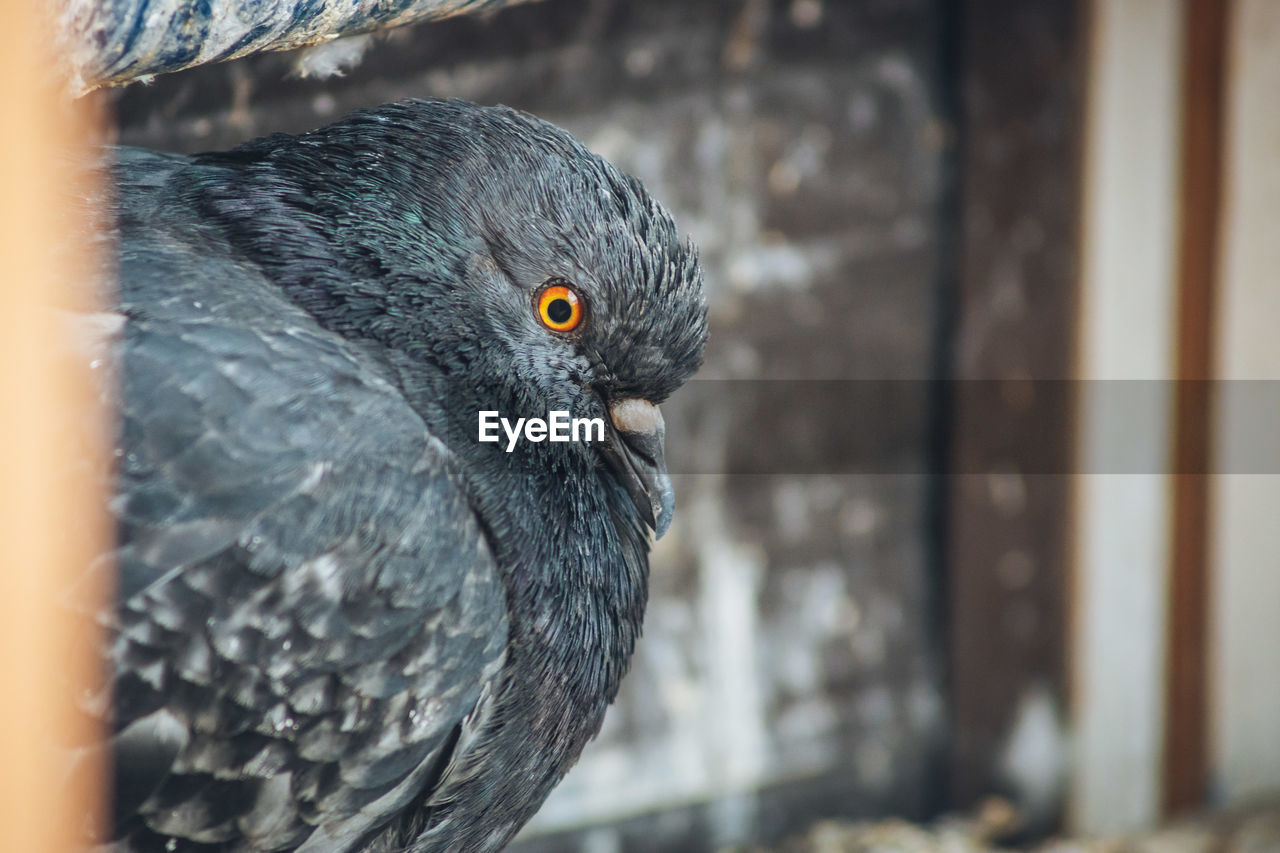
(1185, 756)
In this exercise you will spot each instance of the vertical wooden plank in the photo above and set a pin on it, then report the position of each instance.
(50, 521)
(1020, 72)
(1245, 539)
(1185, 752)
(1128, 316)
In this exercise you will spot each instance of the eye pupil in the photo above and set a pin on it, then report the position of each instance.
(559, 310)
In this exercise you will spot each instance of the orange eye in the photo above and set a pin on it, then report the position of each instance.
(559, 308)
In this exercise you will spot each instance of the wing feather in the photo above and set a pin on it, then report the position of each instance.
(307, 608)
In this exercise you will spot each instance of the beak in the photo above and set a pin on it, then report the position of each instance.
(637, 459)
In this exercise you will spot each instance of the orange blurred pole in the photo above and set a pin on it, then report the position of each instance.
(50, 507)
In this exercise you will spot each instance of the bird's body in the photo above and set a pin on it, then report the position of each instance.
(342, 622)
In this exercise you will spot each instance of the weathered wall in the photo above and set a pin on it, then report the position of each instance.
(791, 661)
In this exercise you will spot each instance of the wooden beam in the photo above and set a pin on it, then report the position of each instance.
(1124, 493)
(1244, 537)
(1185, 760)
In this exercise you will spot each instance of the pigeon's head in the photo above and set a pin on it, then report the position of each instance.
(595, 299)
(495, 247)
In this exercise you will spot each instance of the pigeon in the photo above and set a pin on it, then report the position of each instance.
(343, 621)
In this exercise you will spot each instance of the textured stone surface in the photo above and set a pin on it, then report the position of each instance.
(791, 664)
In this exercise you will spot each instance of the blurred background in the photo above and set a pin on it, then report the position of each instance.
(978, 491)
